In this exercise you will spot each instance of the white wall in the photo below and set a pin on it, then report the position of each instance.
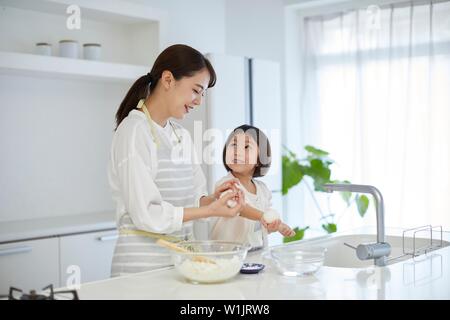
(255, 28)
(54, 146)
(198, 23)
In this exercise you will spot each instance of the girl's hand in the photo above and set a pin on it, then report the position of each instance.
(229, 184)
(271, 227)
(221, 209)
(285, 230)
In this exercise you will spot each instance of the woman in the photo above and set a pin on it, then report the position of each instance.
(158, 192)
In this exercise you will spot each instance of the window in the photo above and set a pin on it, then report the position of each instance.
(376, 95)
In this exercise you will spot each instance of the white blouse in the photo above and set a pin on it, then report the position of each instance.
(133, 167)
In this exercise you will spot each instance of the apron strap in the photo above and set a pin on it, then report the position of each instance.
(149, 235)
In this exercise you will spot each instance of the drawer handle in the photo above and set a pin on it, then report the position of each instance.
(9, 251)
(108, 238)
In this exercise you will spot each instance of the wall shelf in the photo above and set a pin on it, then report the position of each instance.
(114, 11)
(129, 33)
(57, 67)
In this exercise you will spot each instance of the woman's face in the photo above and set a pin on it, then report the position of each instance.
(241, 154)
(186, 93)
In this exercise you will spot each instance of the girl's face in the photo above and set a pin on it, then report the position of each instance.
(241, 154)
(184, 94)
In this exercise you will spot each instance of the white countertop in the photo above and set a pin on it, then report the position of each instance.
(427, 277)
(56, 226)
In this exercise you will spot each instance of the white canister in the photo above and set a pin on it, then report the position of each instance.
(43, 49)
(68, 49)
(92, 51)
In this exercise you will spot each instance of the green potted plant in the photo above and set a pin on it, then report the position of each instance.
(315, 169)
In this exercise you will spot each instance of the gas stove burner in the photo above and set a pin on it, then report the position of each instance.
(47, 294)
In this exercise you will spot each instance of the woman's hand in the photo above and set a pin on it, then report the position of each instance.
(221, 209)
(271, 227)
(229, 184)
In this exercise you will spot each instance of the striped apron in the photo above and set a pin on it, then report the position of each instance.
(136, 250)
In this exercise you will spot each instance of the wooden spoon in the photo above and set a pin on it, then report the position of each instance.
(174, 247)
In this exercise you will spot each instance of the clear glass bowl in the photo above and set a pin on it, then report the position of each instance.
(210, 261)
(296, 260)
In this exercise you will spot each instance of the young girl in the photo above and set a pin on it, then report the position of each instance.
(247, 155)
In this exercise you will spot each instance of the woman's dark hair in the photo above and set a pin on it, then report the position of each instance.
(264, 151)
(181, 60)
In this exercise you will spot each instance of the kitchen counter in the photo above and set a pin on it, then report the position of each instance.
(21, 230)
(425, 277)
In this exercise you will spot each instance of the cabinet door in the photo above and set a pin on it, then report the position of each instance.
(89, 254)
(29, 265)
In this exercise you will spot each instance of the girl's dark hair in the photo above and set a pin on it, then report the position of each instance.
(181, 60)
(264, 151)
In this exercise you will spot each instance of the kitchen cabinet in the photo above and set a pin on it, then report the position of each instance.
(56, 250)
(29, 264)
(86, 256)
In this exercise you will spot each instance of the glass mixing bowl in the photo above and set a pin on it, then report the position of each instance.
(210, 261)
(297, 260)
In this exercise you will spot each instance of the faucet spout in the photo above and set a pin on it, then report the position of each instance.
(379, 206)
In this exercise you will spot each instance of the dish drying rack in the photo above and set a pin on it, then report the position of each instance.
(416, 250)
(433, 244)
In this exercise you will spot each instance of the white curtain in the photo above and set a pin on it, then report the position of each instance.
(376, 95)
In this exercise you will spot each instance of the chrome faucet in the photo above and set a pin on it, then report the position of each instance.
(381, 249)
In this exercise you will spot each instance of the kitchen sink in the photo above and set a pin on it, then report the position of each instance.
(339, 255)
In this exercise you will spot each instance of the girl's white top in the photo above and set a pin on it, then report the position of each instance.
(241, 229)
